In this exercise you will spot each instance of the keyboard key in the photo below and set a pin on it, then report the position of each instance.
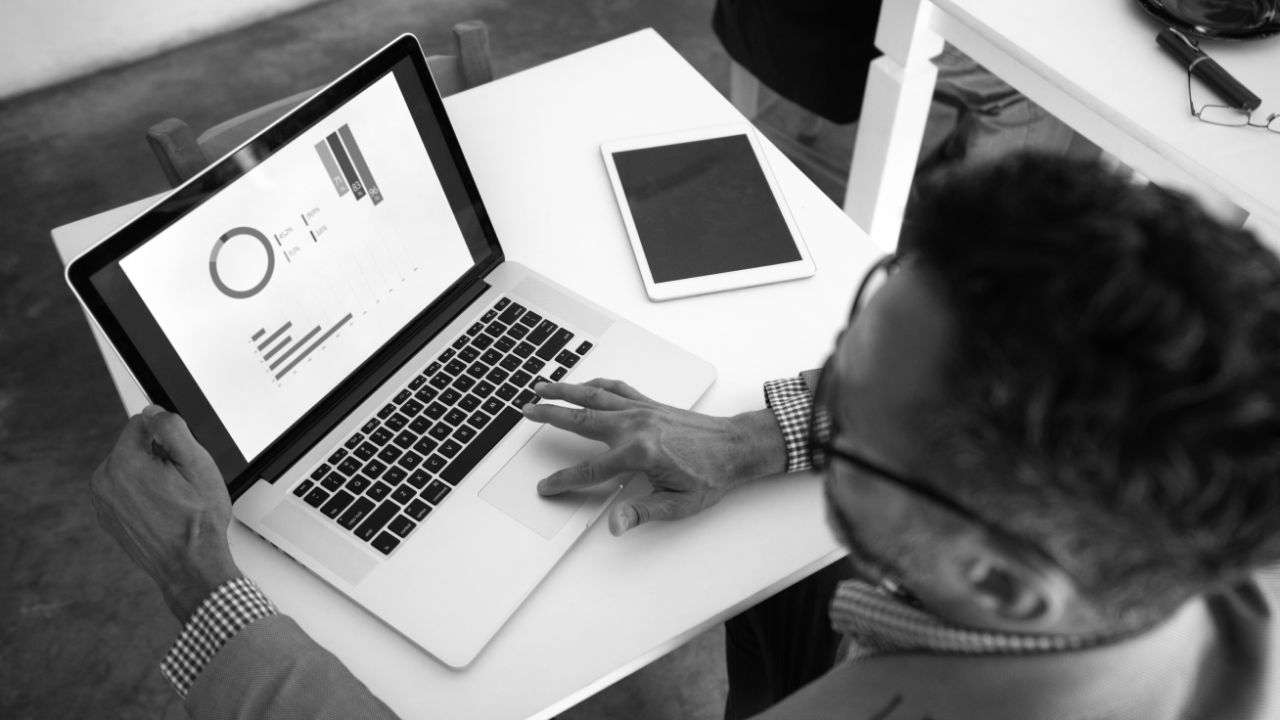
(450, 448)
(461, 342)
(424, 446)
(512, 312)
(402, 526)
(337, 503)
(518, 331)
(303, 487)
(417, 382)
(435, 411)
(373, 469)
(521, 378)
(481, 445)
(370, 426)
(450, 396)
(411, 408)
(385, 543)
(455, 417)
(378, 491)
(530, 318)
(418, 478)
(464, 383)
(477, 369)
(524, 350)
(468, 354)
(409, 460)
(507, 392)
(491, 357)
(353, 441)
(489, 316)
(319, 472)
(435, 492)
(495, 329)
(333, 481)
(526, 397)
(447, 355)
(426, 395)
(349, 466)
(418, 510)
(558, 373)
(469, 403)
(542, 332)
(386, 410)
(396, 421)
(389, 454)
(481, 341)
(402, 396)
(555, 344)
(381, 436)
(379, 517)
(510, 363)
(405, 439)
(504, 344)
(316, 497)
(478, 419)
(463, 434)
(497, 375)
(358, 483)
(567, 358)
(534, 365)
(337, 456)
(395, 475)
(441, 381)
(365, 451)
(455, 367)
(501, 304)
(440, 431)
(420, 425)
(355, 513)
(431, 369)
(435, 463)
(483, 388)
(584, 348)
(404, 494)
(492, 406)
(536, 381)
(475, 328)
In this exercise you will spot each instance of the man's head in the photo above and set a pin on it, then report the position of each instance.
(1093, 370)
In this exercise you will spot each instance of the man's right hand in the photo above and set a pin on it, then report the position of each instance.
(691, 460)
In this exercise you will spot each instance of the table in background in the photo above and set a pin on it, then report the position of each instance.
(1096, 66)
(614, 604)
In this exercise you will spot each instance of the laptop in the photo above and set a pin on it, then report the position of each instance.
(329, 308)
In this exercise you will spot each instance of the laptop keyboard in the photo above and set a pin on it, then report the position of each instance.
(385, 479)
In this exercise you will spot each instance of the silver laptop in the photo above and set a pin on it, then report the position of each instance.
(330, 310)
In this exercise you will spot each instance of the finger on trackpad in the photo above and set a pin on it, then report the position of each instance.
(514, 490)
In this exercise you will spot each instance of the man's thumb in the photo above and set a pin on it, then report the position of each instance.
(170, 432)
(655, 506)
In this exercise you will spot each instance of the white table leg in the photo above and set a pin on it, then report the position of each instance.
(895, 109)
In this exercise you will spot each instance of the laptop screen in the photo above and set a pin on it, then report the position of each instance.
(255, 304)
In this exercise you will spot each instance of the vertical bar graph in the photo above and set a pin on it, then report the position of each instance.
(331, 167)
(344, 162)
(277, 348)
(263, 345)
(362, 167)
(313, 346)
(257, 335)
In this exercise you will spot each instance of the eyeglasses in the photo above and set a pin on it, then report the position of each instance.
(1229, 116)
(823, 431)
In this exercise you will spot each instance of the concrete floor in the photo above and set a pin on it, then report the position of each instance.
(81, 629)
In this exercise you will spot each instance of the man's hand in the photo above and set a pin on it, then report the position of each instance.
(691, 460)
(160, 495)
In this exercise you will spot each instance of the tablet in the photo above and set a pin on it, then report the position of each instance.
(704, 212)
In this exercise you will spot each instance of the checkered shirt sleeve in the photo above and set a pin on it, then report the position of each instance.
(223, 614)
(791, 401)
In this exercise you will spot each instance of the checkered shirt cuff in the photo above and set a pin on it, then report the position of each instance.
(223, 614)
(790, 400)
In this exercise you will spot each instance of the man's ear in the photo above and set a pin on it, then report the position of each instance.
(1016, 595)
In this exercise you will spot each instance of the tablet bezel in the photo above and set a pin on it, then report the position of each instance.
(802, 268)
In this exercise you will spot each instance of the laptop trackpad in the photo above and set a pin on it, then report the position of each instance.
(514, 490)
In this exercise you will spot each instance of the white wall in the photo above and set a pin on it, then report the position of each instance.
(46, 41)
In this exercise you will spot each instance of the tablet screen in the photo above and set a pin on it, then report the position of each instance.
(703, 208)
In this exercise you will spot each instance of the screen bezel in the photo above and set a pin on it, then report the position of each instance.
(331, 409)
(701, 285)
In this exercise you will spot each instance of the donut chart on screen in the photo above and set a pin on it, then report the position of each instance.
(213, 263)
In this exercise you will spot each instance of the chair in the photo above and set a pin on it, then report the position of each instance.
(182, 155)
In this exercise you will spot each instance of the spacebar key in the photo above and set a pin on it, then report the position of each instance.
(481, 445)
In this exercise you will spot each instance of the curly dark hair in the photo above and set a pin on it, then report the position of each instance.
(1114, 391)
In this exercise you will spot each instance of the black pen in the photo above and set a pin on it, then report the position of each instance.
(1205, 68)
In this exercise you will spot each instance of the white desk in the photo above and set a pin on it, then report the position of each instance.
(614, 604)
(1092, 63)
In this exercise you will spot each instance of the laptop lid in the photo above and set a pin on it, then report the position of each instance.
(270, 294)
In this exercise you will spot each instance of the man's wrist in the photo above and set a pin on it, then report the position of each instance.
(764, 451)
(188, 585)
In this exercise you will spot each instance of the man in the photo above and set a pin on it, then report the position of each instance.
(1051, 441)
